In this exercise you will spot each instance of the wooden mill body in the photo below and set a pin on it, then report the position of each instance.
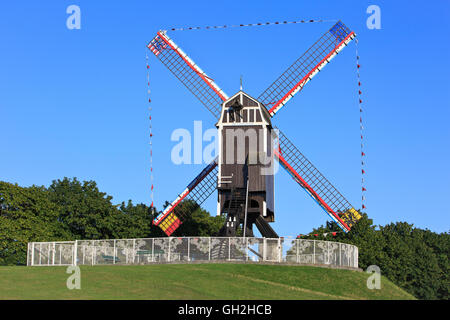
(245, 144)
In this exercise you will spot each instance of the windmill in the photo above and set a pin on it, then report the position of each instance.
(245, 195)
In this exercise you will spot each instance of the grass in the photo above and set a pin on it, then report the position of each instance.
(195, 281)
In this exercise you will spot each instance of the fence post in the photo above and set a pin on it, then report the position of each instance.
(75, 250)
(348, 256)
(32, 253)
(126, 249)
(280, 250)
(229, 249)
(189, 244)
(209, 250)
(168, 256)
(298, 258)
(94, 261)
(328, 253)
(153, 250)
(134, 250)
(314, 251)
(264, 249)
(53, 253)
(246, 249)
(114, 251)
(40, 255)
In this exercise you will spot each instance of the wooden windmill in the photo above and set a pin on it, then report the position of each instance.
(245, 185)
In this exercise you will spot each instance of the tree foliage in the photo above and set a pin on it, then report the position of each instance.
(70, 209)
(199, 222)
(417, 260)
(26, 214)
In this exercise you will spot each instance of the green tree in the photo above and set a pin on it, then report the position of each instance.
(133, 221)
(85, 211)
(199, 222)
(26, 215)
(416, 260)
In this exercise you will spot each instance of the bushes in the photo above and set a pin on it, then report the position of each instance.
(416, 260)
(69, 209)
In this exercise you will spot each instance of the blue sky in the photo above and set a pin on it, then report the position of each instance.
(73, 102)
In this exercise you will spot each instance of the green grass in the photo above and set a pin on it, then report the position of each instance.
(195, 281)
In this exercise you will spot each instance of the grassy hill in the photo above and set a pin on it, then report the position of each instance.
(195, 281)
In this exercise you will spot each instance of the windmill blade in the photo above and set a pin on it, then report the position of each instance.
(315, 184)
(307, 66)
(189, 73)
(198, 190)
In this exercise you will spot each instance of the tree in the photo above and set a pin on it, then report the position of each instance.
(133, 221)
(70, 209)
(85, 211)
(199, 222)
(26, 215)
(416, 260)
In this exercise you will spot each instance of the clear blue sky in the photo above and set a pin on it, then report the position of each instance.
(73, 102)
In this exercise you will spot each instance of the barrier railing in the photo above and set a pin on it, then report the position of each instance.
(191, 249)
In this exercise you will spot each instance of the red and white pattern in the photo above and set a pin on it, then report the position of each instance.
(361, 128)
(151, 133)
(157, 45)
(258, 24)
(278, 105)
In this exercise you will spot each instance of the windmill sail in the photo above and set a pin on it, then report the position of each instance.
(274, 98)
(198, 190)
(315, 184)
(307, 66)
(188, 72)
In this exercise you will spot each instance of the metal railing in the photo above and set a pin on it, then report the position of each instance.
(191, 249)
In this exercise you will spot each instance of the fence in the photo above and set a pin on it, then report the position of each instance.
(191, 249)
